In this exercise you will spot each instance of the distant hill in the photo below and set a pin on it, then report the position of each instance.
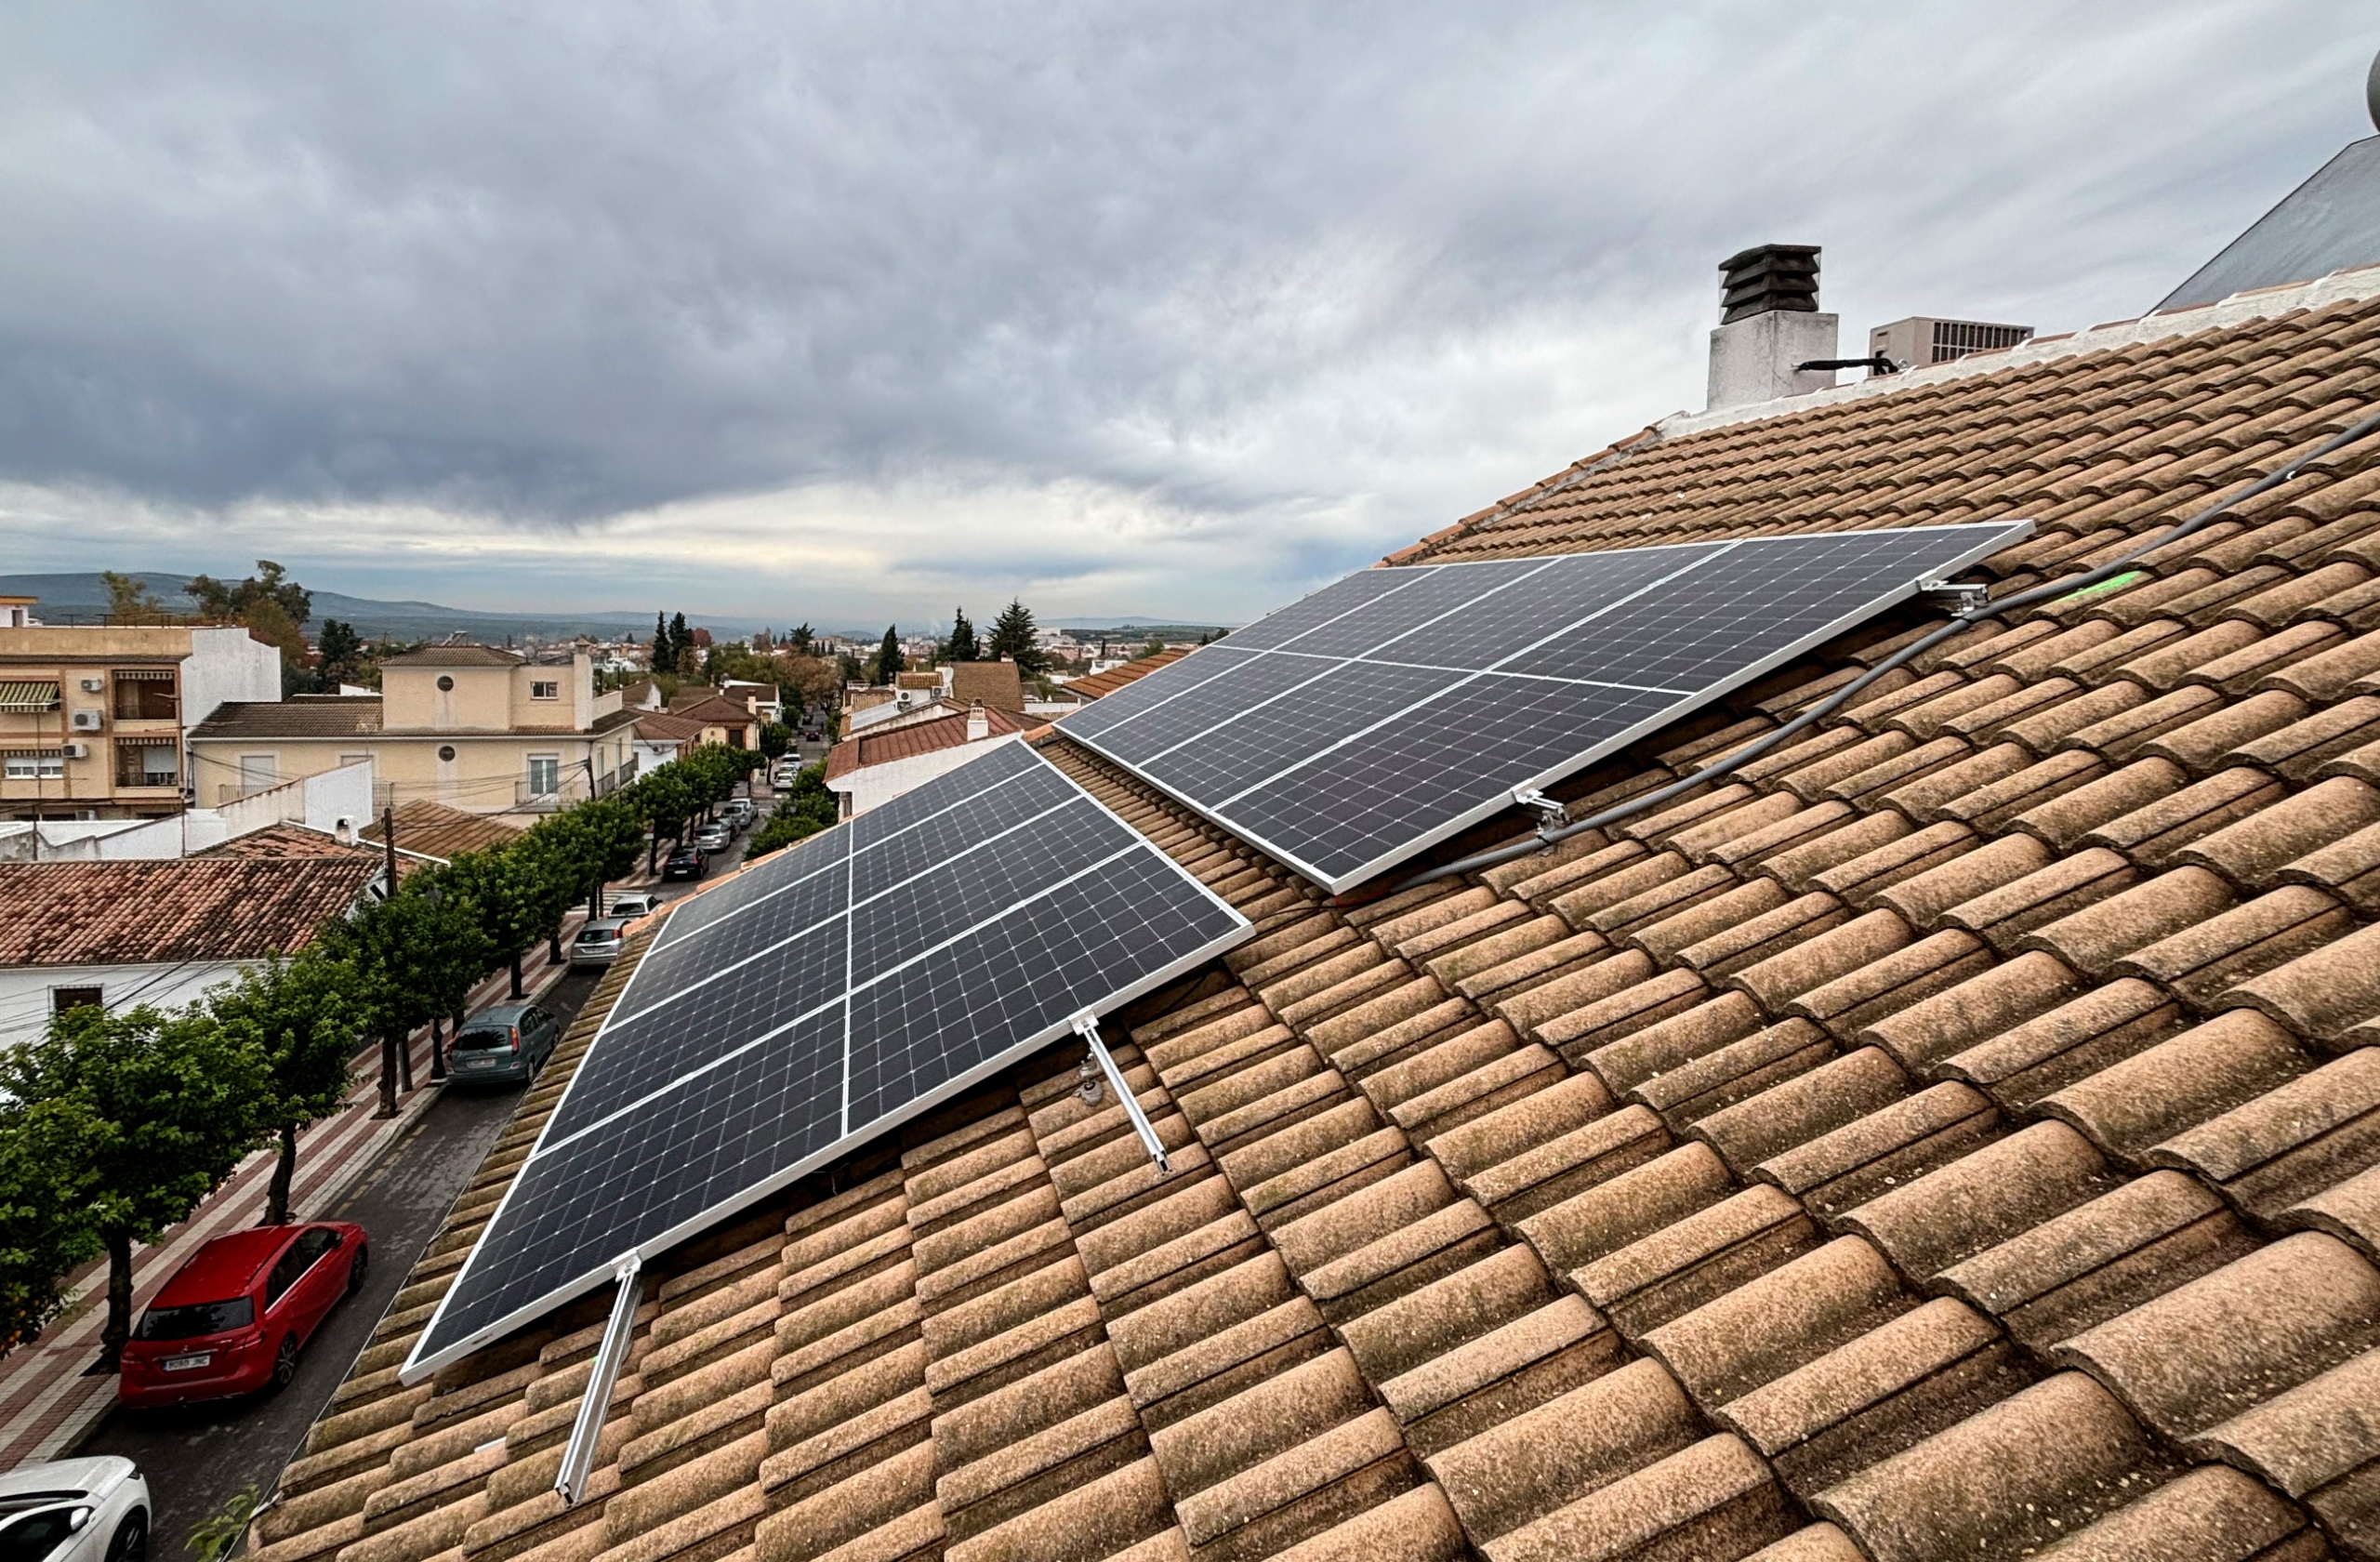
(69, 596)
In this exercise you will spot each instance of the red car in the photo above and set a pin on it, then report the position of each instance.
(235, 1316)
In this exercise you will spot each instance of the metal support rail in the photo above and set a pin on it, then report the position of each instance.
(578, 1454)
(1549, 833)
(1087, 1026)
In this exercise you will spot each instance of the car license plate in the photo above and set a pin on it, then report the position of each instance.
(184, 1363)
(478, 1062)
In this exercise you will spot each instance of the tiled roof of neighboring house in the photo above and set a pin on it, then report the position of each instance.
(331, 715)
(714, 713)
(435, 830)
(997, 684)
(456, 655)
(912, 738)
(188, 908)
(1114, 677)
(284, 840)
(1956, 1135)
(664, 726)
(925, 678)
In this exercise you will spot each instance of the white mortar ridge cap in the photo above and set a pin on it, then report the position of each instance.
(2260, 303)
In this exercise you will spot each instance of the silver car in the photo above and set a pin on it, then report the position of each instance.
(74, 1510)
(630, 904)
(598, 942)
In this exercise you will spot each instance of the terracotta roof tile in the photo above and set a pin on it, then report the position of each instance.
(190, 908)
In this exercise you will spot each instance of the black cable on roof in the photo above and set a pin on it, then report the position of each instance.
(1546, 840)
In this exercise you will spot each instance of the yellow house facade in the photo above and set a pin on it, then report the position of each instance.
(470, 726)
(93, 719)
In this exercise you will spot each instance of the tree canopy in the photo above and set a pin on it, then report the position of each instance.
(962, 645)
(1013, 639)
(889, 663)
(129, 599)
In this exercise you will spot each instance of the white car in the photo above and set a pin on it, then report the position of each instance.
(74, 1510)
(632, 903)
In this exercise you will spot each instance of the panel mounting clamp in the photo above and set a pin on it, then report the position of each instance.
(1086, 1025)
(578, 1454)
(1958, 596)
(1551, 815)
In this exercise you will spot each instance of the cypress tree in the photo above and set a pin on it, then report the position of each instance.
(962, 645)
(889, 663)
(681, 639)
(664, 654)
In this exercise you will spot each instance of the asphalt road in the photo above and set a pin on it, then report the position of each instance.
(198, 1457)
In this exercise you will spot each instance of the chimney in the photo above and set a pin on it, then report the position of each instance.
(979, 726)
(1769, 325)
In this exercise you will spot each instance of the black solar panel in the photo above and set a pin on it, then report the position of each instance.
(826, 995)
(1392, 710)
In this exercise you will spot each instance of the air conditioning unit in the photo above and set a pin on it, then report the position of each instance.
(93, 685)
(78, 750)
(86, 720)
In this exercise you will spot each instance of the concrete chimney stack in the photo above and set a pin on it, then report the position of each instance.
(1769, 324)
(979, 726)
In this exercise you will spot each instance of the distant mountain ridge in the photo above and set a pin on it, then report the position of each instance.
(85, 596)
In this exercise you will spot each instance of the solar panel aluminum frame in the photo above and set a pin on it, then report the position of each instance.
(418, 1367)
(2003, 535)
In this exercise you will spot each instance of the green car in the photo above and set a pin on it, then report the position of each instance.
(505, 1045)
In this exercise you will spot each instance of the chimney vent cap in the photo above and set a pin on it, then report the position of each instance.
(1768, 277)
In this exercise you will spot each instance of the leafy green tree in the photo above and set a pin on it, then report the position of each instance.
(129, 600)
(300, 1018)
(383, 949)
(662, 800)
(1155, 647)
(683, 647)
(167, 1106)
(806, 808)
(799, 641)
(235, 600)
(46, 1231)
(889, 663)
(776, 738)
(500, 887)
(339, 655)
(962, 645)
(455, 953)
(1013, 639)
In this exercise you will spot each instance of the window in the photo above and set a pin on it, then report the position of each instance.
(259, 771)
(145, 694)
(540, 690)
(445, 753)
(63, 999)
(545, 775)
(34, 764)
(141, 763)
(445, 685)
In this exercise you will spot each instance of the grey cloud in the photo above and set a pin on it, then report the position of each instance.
(562, 261)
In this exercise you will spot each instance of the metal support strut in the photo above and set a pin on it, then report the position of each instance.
(578, 1454)
(1087, 1026)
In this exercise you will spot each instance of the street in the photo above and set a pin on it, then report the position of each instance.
(198, 1457)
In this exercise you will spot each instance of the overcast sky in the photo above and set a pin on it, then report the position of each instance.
(850, 313)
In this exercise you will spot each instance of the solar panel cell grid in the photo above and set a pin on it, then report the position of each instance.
(1343, 771)
(1005, 900)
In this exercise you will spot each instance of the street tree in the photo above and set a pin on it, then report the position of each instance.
(129, 600)
(806, 808)
(776, 738)
(499, 885)
(165, 1106)
(385, 946)
(300, 1018)
(46, 1231)
(1013, 639)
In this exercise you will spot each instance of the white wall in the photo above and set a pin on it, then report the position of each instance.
(226, 663)
(872, 785)
(320, 802)
(25, 999)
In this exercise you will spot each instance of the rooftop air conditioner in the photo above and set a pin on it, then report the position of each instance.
(93, 685)
(86, 720)
(78, 750)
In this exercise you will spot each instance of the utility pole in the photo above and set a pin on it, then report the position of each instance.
(392, 1044)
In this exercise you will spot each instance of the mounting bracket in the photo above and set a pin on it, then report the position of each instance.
(1958, 596)
(1551, 815)
(1086, 1025)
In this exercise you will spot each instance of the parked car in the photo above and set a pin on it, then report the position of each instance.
(598, 942)
(506, 1044)
(238, 1311)
(74, 1510)
(713, 837)
(630, 904)
(736, 811)
(686, 861)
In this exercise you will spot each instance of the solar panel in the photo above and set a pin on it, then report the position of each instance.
(828, 994)
(1396, 707)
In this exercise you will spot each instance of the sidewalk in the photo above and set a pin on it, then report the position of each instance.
(46, 1403)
